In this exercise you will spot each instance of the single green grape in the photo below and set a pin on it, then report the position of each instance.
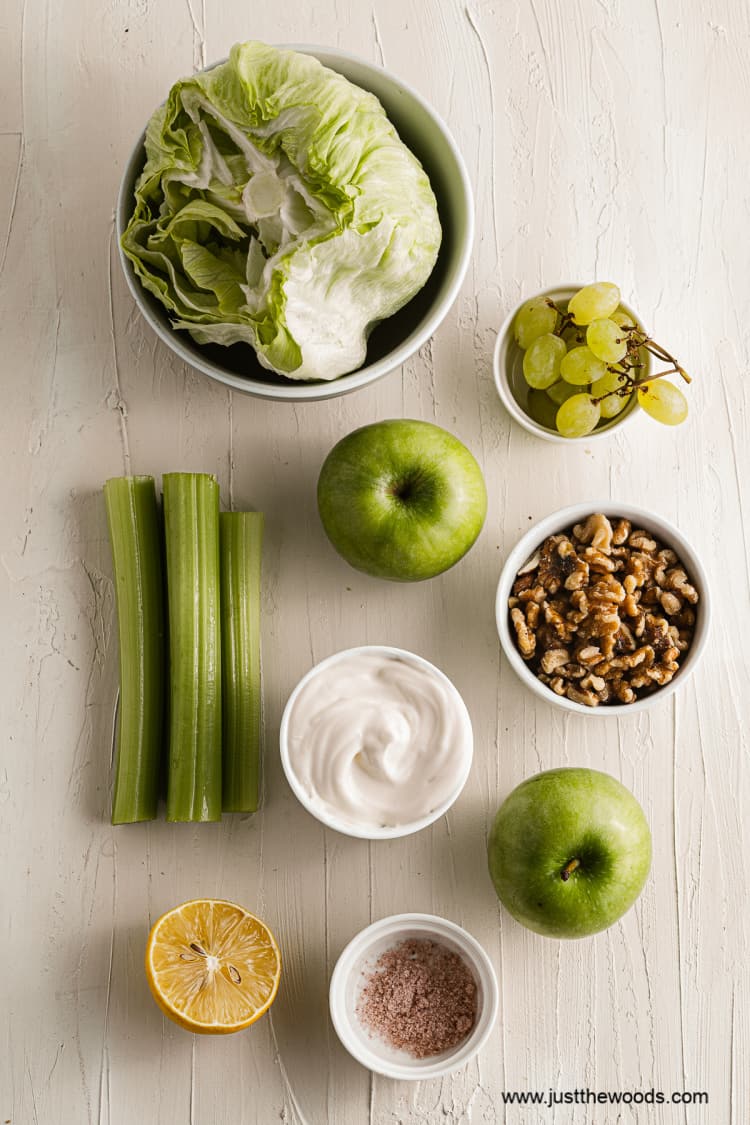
(613, 404)
(561, 391)
(663, 401)
(541, 363)
(534, 319)
(623, 319)
(580, 366)
(594, 302)
(607, 340)
(541, 408)
(578, 416)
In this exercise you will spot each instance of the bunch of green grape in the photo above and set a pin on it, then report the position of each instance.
(581, 363)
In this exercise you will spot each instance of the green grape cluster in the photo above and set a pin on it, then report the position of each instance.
(582, 363)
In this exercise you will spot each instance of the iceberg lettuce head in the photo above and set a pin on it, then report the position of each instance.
(278, 206)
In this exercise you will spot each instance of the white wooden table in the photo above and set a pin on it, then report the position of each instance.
(604, 140)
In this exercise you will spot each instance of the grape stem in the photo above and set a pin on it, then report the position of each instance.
(629, 384)
(658, 375)
(639, 339)
(636, 339)
(662, 353)
(566, 319)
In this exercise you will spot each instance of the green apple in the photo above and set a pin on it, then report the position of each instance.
(569, 852)
(401, 499)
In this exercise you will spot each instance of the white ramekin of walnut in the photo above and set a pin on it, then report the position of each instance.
(603, 608)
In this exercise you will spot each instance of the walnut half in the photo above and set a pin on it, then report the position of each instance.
(525, 637)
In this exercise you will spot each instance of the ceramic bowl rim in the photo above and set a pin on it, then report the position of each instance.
(370, 832)
(563, 519)
(363, 376)
(436, 927)
(504, 340)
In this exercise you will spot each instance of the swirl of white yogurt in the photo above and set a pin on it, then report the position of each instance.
(377, 738)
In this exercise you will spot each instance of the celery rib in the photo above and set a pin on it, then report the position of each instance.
(136, 554)
(241, 536)
(191, 529)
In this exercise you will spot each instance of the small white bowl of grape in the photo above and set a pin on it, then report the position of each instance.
(574, 363)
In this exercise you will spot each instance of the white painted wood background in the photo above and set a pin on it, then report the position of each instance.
(605, 139)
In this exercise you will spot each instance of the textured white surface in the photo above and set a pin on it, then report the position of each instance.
(605, 139)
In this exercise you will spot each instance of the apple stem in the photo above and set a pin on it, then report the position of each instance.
(569, 868)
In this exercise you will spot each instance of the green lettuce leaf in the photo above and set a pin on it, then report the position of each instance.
(278, 207)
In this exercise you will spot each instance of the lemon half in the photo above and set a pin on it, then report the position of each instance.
(212, 966)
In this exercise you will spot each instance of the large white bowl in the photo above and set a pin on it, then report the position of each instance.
(394, 340)
(507, 369)
(371, 832)
(564, 519)
(349, 976)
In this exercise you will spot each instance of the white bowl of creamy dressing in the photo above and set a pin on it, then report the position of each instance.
(376, 742)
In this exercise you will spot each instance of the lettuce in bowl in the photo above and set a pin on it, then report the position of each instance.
(278, 207)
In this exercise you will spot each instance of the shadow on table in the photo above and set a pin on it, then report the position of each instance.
(92, 753)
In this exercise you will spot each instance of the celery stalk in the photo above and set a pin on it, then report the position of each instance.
(136, 554)
(191, 529)
(241, 535)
